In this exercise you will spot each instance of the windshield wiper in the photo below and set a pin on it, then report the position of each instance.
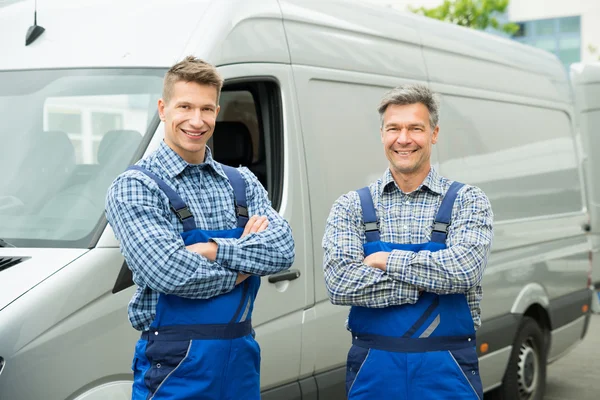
(4, 243)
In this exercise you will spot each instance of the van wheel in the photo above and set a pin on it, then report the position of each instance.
(525, 377)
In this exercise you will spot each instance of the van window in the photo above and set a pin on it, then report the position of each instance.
(523, 157)
(66, 135)
(249, 132)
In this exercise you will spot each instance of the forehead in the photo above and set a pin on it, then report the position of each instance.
(193, 92)
(406, 113)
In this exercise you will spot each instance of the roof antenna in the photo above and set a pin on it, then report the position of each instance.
(34, 31)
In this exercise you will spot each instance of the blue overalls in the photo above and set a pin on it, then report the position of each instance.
(421, 351)
(201, 349)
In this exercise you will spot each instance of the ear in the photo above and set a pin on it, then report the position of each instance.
(217, 111)
(161, 109)
(434, 136)
(381, 133)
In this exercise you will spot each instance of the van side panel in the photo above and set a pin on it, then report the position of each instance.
(586, 85)
(349, 41)
(344, 152)
(521, 152)
(473, 59)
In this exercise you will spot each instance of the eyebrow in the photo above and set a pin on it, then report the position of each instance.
(188, 103)
(395, 124)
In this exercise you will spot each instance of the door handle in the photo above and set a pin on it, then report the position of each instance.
(288, 275)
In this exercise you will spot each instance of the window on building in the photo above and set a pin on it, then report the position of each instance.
(560, 36)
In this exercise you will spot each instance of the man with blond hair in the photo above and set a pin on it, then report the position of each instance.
(408, 253)
(182, 222)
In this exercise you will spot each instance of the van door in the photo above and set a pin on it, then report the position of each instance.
(586, 84)
(259, 99)
(339, 89)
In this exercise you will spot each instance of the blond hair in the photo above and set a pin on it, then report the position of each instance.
(192, 69)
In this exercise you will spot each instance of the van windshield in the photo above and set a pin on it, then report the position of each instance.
(64, 136)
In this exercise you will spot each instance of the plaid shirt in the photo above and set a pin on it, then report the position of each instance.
(408, 218)
(149, 231)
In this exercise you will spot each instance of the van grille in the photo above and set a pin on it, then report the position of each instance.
(7, 262)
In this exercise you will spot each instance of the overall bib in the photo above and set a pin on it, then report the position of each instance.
(201, 349)
(421, 351)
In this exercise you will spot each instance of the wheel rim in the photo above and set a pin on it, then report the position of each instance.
(528, 370)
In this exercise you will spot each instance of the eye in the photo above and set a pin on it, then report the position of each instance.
(184, 106)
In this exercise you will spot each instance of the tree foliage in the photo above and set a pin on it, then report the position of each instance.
(477, 14)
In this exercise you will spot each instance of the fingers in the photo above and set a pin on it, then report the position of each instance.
(249, 225)
(255, 224)
(264, 225)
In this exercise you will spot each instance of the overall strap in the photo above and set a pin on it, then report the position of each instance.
(442, 219)
(177, 204)
(369, 215)
(239, 190)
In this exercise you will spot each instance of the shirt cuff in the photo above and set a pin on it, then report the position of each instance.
(398, 266)
(227, 252)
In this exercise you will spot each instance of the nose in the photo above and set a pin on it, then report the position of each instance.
(196, 120)
(403, 136)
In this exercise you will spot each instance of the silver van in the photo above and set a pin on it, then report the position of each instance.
(585, 78)
(302, 81)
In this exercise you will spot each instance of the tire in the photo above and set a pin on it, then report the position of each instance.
(525, 376)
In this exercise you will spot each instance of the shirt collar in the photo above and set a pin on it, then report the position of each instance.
(174, 164)
(432, 182)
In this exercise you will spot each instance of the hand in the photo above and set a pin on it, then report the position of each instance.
(377, 260)
(241, 278)
(255, 224)
(208, 250)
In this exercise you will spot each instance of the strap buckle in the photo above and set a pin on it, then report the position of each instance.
(183, 213)
(241, 211)
(441, 227)
(371, 226)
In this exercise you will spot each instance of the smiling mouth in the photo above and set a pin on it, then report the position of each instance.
(404, 153)
(192, 134)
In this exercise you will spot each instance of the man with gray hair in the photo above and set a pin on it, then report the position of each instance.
(408, 253)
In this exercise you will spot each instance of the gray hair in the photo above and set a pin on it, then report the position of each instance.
(412, 94)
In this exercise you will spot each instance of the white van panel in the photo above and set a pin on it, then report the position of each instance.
(586, 84)
(466, 57)
(138, 34)
(349, 42)
(114, 391)
(517, 153)
(73, 320)
(37, 266)
(342, 142)
(562, 338)
(142, 33)
(252, 30)
(341, 128)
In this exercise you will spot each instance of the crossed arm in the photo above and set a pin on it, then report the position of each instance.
(159, 259)
(389, 278)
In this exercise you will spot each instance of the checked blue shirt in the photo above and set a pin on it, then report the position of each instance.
(408, 218)
(149, 231)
